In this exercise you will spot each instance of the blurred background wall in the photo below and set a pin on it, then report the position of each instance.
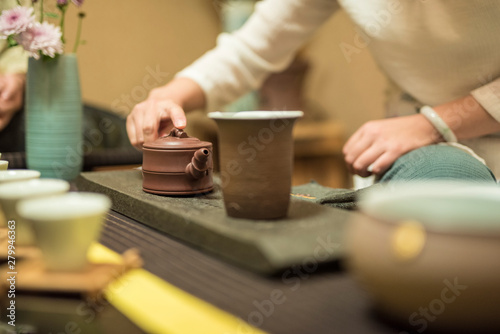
(133, 46)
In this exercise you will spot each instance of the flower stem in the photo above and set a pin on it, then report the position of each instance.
(63, 15)
(41, 11)
(81, 15)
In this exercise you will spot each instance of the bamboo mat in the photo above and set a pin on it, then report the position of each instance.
(314, 300)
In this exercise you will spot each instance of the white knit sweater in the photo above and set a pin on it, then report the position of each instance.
(435, 50)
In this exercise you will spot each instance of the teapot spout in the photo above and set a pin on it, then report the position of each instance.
(198, 167)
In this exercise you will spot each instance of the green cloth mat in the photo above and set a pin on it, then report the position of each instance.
(336, 198)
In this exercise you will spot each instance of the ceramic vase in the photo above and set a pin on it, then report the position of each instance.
(54, 117)
(256, 162)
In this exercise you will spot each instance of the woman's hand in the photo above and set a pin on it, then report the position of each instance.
(152, 118)
(377, 144)
(11, 96)
(374, 147)
(162, 110)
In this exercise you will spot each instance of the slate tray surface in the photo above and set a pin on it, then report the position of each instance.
(310, 233)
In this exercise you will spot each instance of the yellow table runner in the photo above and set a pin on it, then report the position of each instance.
(159, 307)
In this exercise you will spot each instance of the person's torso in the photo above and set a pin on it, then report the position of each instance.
(436, 50)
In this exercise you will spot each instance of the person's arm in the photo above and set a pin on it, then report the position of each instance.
(241, 61)
(378, 144)
(13, 66)
(11, 96)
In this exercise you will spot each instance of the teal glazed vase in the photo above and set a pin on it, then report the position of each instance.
(54, 117)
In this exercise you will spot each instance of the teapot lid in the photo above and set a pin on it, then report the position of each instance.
(177, 139)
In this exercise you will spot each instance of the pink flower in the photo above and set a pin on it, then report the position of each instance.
(78, 2)
(43, 37)
(16, 20)
(62, 2)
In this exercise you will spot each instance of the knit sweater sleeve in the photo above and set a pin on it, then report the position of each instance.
(266, 43)
(13, 60)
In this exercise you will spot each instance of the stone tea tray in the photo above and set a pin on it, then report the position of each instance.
(309, 235)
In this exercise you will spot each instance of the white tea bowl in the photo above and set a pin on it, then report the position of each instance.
(11, 193)
(430, 250)
(65, 226)
(13, 175)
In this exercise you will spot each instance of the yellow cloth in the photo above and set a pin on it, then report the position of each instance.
(159, 307)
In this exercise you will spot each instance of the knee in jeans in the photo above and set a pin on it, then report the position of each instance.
(438, 162)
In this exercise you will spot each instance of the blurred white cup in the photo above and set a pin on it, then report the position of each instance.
(65, 226)
(14, 175)
(12, 192)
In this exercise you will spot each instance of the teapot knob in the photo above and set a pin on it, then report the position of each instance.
(178, 133)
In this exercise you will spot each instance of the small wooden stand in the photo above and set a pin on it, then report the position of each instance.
(32, 277)
(22, 252)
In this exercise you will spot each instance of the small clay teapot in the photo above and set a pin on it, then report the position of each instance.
(177, 164)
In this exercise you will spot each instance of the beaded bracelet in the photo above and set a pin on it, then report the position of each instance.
(438, 123)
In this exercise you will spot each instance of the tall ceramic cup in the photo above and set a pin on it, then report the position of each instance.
(256, 162)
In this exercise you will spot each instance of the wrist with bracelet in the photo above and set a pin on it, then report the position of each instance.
(437, 122)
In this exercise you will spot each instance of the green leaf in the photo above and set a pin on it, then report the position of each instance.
(48, 58)
(52, 15)
(11, 41)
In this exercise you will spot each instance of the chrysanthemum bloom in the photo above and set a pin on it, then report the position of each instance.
(44, 37)
(16, 20)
